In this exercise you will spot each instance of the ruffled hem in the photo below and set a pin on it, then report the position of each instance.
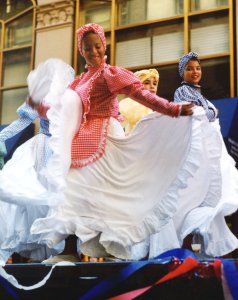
(222, 247)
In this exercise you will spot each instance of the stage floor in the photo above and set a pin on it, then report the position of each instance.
(72, 282)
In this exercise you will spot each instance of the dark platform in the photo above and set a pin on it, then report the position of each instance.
(72, 282)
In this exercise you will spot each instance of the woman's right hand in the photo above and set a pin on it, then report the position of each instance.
(187, 109)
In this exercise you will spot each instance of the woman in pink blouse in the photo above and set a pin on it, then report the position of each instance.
(114, 191)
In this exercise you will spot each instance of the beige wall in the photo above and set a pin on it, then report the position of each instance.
(54, 31)
(43, 2)
(57, 43)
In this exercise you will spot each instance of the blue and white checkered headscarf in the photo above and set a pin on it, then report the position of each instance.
(184, 60)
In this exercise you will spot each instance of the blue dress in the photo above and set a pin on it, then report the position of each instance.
(46, 84)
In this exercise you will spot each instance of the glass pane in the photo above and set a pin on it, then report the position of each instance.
(96, 12)
(133, 48)
(163, 8)
(209, 35)
(10, 8)
(207, 4)
(133, 53)
(216, 78)
(11, 100)
(16, 66)
(136, 11)
(163, 38)
(169, 81)
(19, 32)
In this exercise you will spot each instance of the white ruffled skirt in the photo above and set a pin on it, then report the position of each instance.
(142, 189)
(143, 196)
(208, 208)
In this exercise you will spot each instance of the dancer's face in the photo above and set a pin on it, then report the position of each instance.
(192, 72)
(92, 49)
(151, 84)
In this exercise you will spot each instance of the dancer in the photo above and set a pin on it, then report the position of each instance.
(204, 204)
(133, 111)
(190, 90)
(118, 190)
(45, 86)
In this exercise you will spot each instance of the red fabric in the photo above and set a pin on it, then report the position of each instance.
(217, 268)
(98, 89)
(188, 265)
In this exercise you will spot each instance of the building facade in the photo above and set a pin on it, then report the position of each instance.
(140, 34)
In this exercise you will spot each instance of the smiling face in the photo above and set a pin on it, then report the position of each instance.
(92, 49)
(193, 72)
(151, 84)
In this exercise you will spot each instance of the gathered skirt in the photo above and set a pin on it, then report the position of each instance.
(126, 199)
(168, 178)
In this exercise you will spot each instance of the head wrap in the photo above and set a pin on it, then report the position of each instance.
(143, 75)
(184, 60)
(94, 28)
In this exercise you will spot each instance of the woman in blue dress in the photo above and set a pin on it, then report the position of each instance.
(45, 86)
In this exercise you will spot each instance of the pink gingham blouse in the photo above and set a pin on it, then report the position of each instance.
(98, 89)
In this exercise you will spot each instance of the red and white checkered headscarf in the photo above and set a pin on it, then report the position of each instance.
(94, 28)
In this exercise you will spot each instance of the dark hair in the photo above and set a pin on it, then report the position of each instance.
(195, 59)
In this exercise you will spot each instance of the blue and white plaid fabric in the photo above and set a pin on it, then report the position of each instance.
(27, 115)
(184, 60)
(191, 93)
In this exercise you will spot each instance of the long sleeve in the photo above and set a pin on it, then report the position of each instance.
(137, 92)
(26, 116)
(192, 94)
(121, 81)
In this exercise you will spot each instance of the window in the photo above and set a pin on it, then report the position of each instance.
(16, 53)
(155, 34)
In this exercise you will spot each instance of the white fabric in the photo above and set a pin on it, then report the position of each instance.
(19, 177)
(49, 80)
(205, 212)
(37, 285)
(132, 191)
(202, 205)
